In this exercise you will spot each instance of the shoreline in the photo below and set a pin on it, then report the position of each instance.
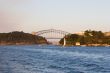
(22, 43)
(19, 44)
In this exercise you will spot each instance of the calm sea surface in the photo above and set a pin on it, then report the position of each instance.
(54, 59)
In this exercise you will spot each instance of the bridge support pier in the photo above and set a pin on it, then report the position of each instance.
(64, 44)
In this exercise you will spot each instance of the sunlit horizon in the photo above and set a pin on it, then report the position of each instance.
(67, 15)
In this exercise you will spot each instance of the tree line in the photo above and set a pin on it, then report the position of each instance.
(89, 37)
(21, 37)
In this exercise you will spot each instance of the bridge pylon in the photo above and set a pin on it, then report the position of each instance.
(64, 44)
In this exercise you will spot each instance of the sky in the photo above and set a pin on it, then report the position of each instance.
(67, 15)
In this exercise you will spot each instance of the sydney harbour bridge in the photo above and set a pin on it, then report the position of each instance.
(52, 35)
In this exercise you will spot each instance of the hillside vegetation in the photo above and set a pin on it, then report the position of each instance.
(20, 38)
(90, 37)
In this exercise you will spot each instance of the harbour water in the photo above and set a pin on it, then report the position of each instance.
(54, 59)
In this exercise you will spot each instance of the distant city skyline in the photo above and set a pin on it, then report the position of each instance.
(68, 15)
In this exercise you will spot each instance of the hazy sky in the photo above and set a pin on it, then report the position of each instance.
(68, 15)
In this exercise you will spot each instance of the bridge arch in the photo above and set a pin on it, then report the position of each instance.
(52, 34)
(52, 31)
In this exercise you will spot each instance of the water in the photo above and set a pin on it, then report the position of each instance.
(54, 59)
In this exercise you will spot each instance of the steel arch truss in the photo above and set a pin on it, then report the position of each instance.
(51, 31)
